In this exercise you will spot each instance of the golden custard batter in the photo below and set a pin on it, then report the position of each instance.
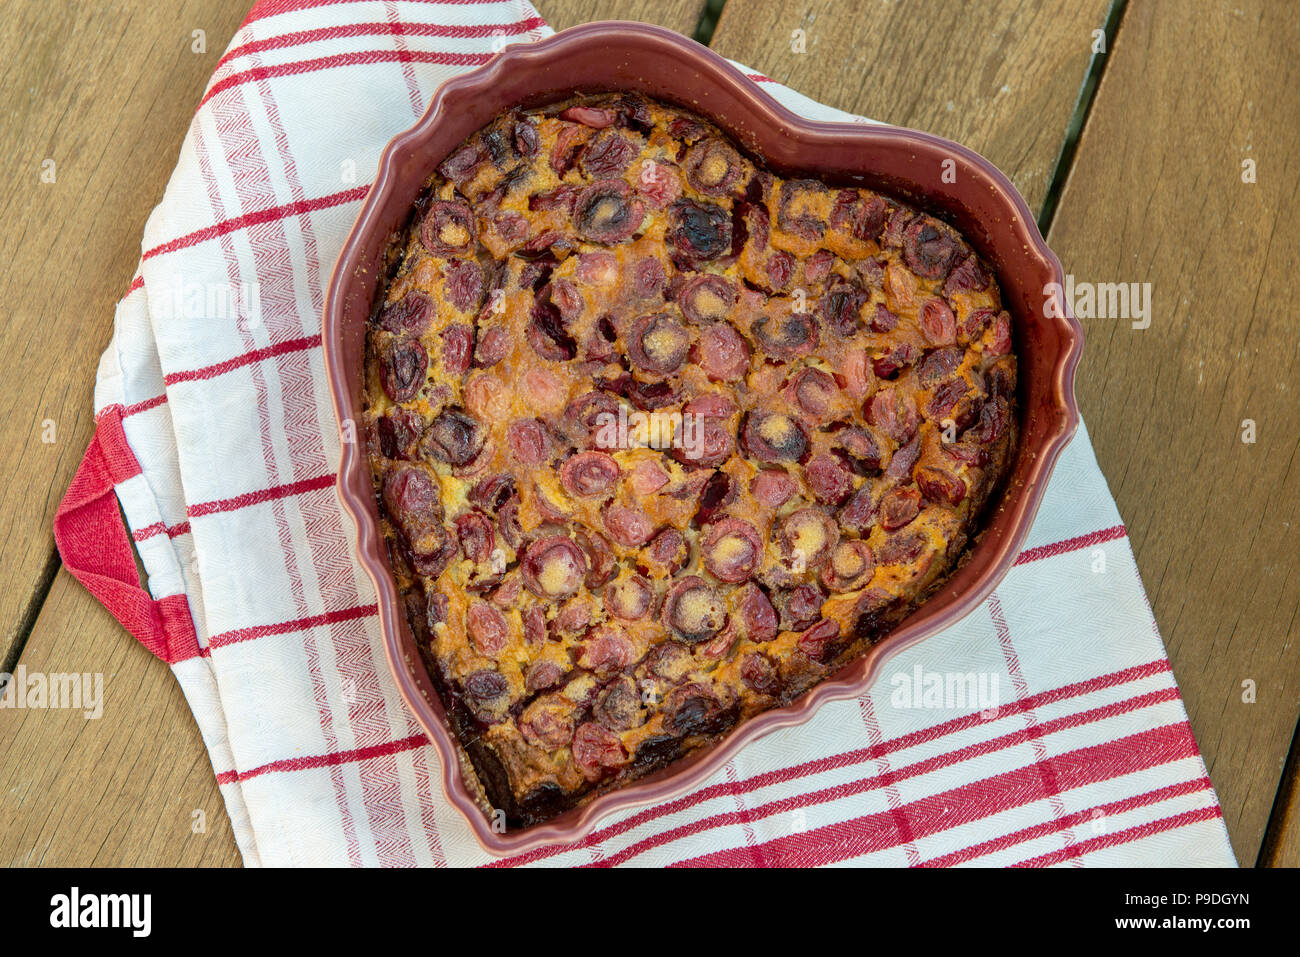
(661, 439)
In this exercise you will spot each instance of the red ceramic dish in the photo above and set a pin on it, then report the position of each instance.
(613, 56)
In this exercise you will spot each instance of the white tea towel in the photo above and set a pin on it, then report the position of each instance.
(216, 434)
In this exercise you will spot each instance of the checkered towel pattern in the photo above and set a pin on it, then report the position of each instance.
(215, 433)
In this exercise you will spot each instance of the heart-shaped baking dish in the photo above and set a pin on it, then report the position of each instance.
(612, 56)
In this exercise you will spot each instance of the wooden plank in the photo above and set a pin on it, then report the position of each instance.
(998, 76)
(679, 15)
(1282, 842)
(1157, 195)
(106, 92)
(118, 790)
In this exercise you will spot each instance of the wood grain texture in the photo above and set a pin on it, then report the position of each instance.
(105, 91)
(998, 76)
(1156, 195)
(679, 15)
(1282, 843)
(118, 790)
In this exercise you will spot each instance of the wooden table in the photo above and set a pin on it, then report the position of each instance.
(1127, 126)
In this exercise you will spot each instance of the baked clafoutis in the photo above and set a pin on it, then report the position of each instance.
(660, 439)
